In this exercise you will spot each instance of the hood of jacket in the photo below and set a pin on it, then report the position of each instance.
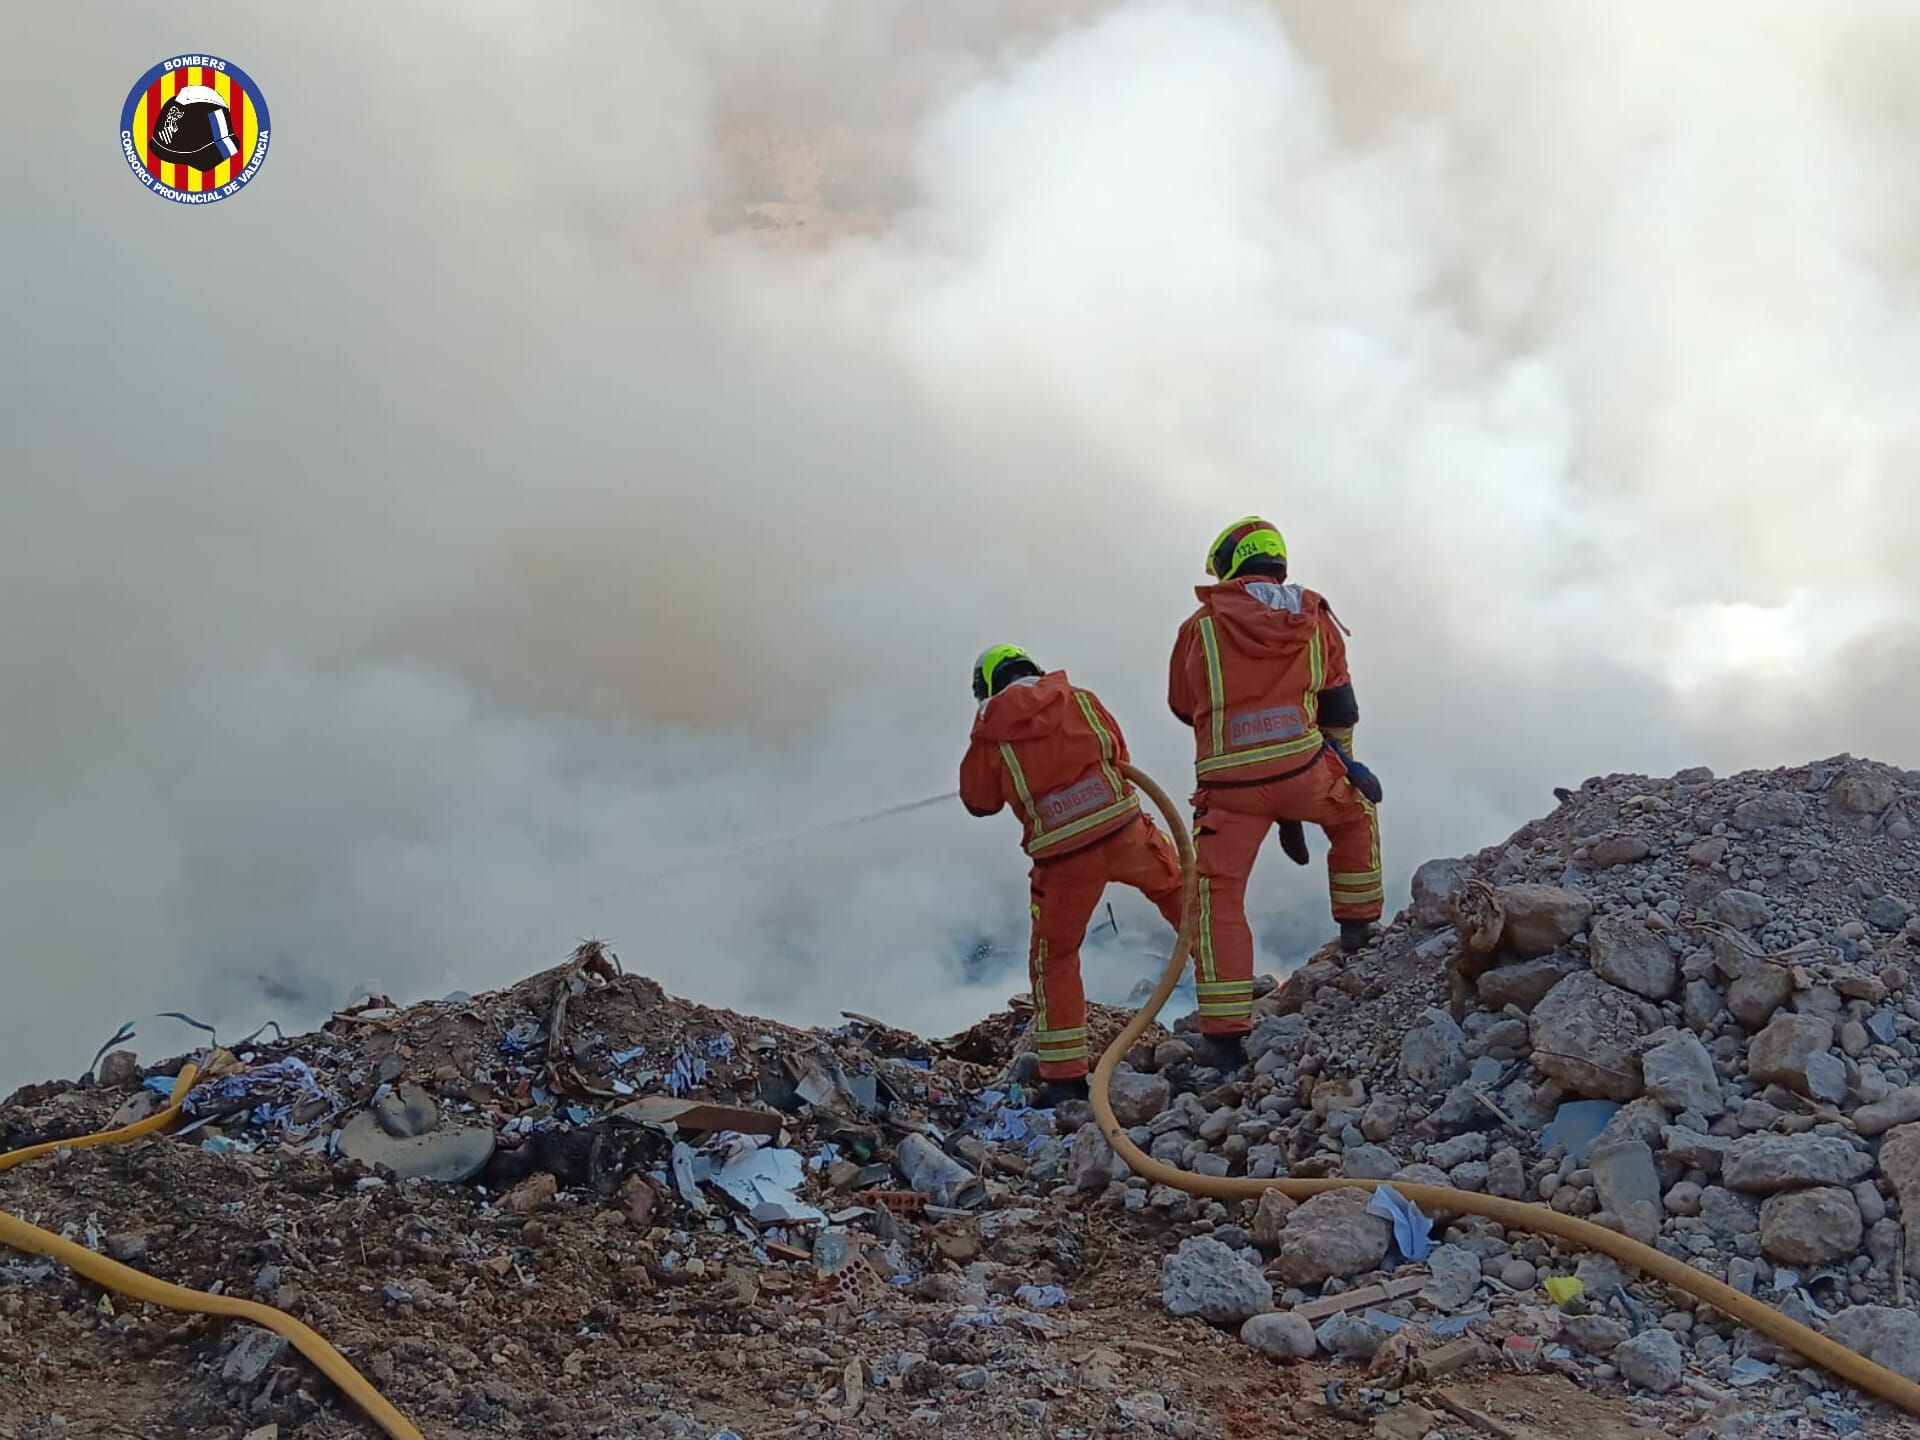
(1026, 708)
(1262, 617)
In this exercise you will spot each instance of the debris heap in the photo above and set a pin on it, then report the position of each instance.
(582, 1208)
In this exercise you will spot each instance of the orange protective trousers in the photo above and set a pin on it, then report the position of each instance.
(1066, 891)
(1229, 824)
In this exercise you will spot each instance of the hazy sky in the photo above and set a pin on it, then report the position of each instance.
(408, 557)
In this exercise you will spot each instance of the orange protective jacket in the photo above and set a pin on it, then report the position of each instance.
(1052, 752)
(1249, 670)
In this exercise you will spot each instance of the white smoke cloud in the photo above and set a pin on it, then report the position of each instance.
(422, 558)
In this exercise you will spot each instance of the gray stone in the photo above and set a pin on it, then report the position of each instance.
(1617, 850)
(1702, 1005)
(119, 1070)
(1519, 1275)
(1350, 1337)
(407, 1111)
(1594, 1334)
(1456, 1275)
(1767, 810)
(252, 1352)
(1461, 1148)
(1883, 1334)
(1629, 1187)
(1900, 1163)
(1756, 996)
(451, 1157)
(1873, 1205)
(1763, 1164)
(1270, 1218)
(1810, 1227)
(1507, 1174)
(1653, 1360)
(1284, 1036)
(1433, 1056)
(1092, 1165)
(1331, 1235)
(1779, 1053)
(1169, 1053)
(1679, 1073)
(1523, 984)
(1902, 1107)
(1280, 1335)
(1683, 1198)
(1629, 955)
(1205, 1278)
(1138, 1098)
(1888, 913)
(1383, 1118)
(1742, 909)
(1860, 794)
(1434, 885)
(1369, 1162)
(1827, 1078)
(1694, 1148)
(1540, 918)
(1586, 1035)
(1728, 1216)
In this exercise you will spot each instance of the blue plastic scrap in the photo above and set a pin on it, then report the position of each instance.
(1458, 1324)
(1041, 1297)
(1412, 1230)
(627, 1057)
(1576, 1125)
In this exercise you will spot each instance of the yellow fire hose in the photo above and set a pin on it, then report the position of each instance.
(123, 1280)
(1830, 1355)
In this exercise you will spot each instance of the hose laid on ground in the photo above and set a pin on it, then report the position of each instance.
(1830, 1355)
(124, 1280)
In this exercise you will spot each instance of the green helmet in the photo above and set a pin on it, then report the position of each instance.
(990, 661)
(1240, 542)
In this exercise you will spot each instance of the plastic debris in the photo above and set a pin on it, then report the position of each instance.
(160, 1084)
(925, 1166)
(1458, 1324)
(686, 1178)
(1383, 1322)
(1412, 1230)
(627, 1057)
(687, 1072)
(1041, 1297)
(1576, 1125)
(1749, 1371)
(763, 1181)
(1563, 1290)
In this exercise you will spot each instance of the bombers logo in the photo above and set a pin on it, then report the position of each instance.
(194, 129)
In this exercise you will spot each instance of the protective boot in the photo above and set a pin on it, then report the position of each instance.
(1056, 1093)
(1225, 1053)
(1355, 935)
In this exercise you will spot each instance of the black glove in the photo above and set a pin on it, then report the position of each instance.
(1293, 840)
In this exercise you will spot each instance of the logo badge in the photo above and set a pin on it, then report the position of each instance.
(194, 129)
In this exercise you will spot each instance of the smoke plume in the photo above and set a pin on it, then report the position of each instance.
(600, 440)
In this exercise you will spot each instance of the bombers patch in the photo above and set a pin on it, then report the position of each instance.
(194, 129)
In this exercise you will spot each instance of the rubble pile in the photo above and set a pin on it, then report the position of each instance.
(583, 1208)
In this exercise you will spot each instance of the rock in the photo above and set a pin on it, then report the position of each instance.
(1594, 1334)
(1628, 954)
(1768, 810)
(1280, 1335)
(1629, 1187)
(1693, 1148)
(1900, 1163)
(1779, 1053)
(1860, 794)
(1763, 1164)
(1827, 1078)
(1617, 850)
(1883, 1334)
(1742, 909)
(1350, 1337)
(1383, 1118)
(450, 1157)
(1338, 1092)
(1886, 913)
(1433, 1056)
(1902, 1107)
(1679, 1073)
(1810, 1227)
(1270, 1218)
(1446, 1154)
(1369, 1162)
(1727, 1216)
(1507, 1175)
(1756, 996)
(1456, 1275)
(1586, 1035)
(1205, 1278)
(251, 1354)
(119, 1070)
(535, 1192)
(1137, 1099)
(1434, 885)
(1707, 851)
(1330, 1236)
(1873, 1205)
(1540, 918)
(1653, 1360)
(407, 1112)
(1702, 1005)
(1683, 1198)
(1169, 1053)
(1092, 1164)
(1519, 1275)
(1524, 984)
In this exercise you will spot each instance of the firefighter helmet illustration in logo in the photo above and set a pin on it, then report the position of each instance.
(194, 129)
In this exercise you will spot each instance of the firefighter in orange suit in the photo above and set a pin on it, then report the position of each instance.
(1051, 750)
(1259, 672)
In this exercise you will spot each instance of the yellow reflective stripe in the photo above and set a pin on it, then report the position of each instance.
(1341, 735)
(1216, 684)
(1047, 1037)
(1316, 672)
(1309, 741)
(1040, 982)
(1084, 823)
(1106, 742)
(1206, 930)
(1355, 877)
(1064, 1052)
(1226, 1012)
(1019, 778)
